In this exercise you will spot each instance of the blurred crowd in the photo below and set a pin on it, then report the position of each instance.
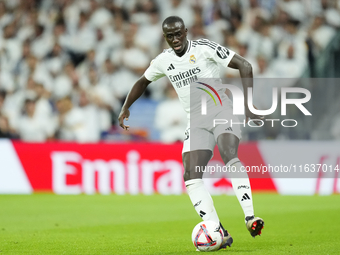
(66, 66)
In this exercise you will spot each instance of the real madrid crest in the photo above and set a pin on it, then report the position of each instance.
(192, 59)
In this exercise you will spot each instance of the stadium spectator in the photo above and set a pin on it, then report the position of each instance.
(81, 38)
(130, 56)
(99, 15)
(5, 15)
(4, 127)
(89, 63)
(71, 121)
(170, 118)
(148, 36)
(293, 67)
(56, 60)
(101, 96)
(44, 108)
(2, 100)
(106, 42)
(111, 79)
(197, 31)
(294, 37)
(212, 8)
(178, 7)
(295, 9)
(62, 84)
(28, 20)
(26, 53)
(33, 67)
(4, 124)
(14, 102)
(10, 46)
(30, 126)
(217, 27)
(131, 60)
(262, 68)
(92, 121)
(60, 34)
(42, 42)
(6, 81)
(321, 33)
(331, 12)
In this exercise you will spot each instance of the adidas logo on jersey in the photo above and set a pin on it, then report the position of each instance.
(245, 197)
(171, 67)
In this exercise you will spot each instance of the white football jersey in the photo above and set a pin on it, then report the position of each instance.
(201, 61)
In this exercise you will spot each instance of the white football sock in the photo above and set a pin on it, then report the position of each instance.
(241, 187)
(201, 200)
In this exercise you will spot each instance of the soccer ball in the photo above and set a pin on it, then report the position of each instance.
(207, 236)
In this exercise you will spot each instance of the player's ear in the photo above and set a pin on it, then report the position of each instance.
(185, 32)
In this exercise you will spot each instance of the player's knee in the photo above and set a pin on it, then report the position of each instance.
(229, 153)
(190, 174)
(228, 146)
(186, 175)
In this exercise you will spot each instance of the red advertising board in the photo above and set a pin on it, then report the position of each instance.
(147, 168)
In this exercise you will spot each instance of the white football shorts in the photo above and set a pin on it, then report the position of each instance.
(203, 134)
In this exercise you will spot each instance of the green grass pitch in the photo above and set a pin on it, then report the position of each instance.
(52, 224)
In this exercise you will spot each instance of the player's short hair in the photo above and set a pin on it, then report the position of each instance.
(172, 19)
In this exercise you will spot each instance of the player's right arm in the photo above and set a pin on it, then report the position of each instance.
(136, 91)
(153, 73)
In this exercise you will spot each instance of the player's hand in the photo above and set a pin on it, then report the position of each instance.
(124, 114)
(252, 116)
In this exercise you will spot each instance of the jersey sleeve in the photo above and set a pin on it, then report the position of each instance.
(154, 72)
(216, 52)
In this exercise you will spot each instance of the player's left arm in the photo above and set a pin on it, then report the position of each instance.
(246, 73)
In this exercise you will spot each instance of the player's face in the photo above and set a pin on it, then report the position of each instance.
(176, 36)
